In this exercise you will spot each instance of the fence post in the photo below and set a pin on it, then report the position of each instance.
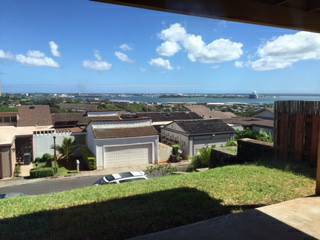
(318, 168)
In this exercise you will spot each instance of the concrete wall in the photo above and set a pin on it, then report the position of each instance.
(164, 152)
(254, 150)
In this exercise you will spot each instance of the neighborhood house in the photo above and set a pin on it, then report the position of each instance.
(192, 135)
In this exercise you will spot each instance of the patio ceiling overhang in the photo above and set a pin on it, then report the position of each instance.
(294, 14)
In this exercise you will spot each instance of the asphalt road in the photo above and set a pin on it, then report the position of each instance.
(51, 185)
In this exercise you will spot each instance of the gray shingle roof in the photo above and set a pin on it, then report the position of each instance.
(194, 127)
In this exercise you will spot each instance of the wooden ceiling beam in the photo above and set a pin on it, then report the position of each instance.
(247, 11)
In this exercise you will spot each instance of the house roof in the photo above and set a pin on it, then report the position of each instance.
(204, 126)
(206, 113)
(169, 116)
(34, 115)
(77, 118)
(249, 121)
(124, 132)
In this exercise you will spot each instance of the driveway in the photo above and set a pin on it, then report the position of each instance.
(52, 185)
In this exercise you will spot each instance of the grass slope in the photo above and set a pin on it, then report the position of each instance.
(121, 211)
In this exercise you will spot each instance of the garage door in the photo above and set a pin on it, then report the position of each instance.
(123, 156)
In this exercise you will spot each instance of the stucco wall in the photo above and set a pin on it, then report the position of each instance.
(175, 137)
(42, 143)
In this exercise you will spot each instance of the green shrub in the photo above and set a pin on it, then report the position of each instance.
(91, 161)
(17, 170)
(248, 133)
(46, 160)
(160, 170)
(231, 143)
(175, 153)
(202, 159)
(41, 172)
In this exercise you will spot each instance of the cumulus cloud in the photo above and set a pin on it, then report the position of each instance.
(125, 47)
(123, 57)
(6, 55)
(32, 58)
(220, 50)
(285, 50)
(168, 48)
(98, 64)
(54, 48)
(161, 63)
(36, 58)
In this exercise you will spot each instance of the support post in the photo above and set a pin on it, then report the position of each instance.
(318, 168)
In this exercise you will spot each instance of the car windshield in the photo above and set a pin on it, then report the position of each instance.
(109, 178)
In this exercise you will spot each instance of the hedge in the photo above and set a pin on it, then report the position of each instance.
(91, 161)
(41, 172)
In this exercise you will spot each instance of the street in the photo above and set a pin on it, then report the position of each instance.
(51, 185)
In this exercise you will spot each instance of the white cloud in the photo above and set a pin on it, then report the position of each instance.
(168, 48)
(6, 55)
(31, 58)
(161, 63)
(97, 65)
(220, 50)
(54, 48)
(125, 47)
(285, 50)
(123, 57)
(239, 64)
(36, 58)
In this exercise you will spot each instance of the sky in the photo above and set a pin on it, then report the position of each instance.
(85, 46)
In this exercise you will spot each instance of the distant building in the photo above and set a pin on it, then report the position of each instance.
(267, 113)
(206, 113)
(256, 124)
(193, 135)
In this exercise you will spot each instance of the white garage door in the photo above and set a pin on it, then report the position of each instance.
(132, 155)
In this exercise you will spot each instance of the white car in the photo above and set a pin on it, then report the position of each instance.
(121, 178)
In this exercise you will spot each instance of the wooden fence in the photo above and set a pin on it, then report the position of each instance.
(297, 130)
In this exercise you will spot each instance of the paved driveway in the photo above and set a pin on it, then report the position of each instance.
(51, 185)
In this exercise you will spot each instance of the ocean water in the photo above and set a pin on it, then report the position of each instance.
(224, 100)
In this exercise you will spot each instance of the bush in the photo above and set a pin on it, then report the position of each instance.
(202, 159)
(17, 170)
(46, 160)
(41, 172)
(87, 160)
(175, 153)
(231, 143)
(160, 170)
(248, 133)
(91, 161)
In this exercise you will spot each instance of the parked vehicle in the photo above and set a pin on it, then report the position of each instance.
(121, 178)
(11, 195)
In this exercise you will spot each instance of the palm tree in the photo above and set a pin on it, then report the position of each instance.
(66, 149)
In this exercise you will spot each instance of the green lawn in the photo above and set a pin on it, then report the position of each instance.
(127, 210)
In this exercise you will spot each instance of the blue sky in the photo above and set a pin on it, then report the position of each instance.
(208, 56)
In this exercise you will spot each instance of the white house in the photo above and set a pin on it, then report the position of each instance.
(119, 143)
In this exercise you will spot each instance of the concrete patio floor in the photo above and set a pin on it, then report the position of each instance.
(293, 220)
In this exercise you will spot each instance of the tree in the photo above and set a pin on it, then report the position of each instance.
(66, 149)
